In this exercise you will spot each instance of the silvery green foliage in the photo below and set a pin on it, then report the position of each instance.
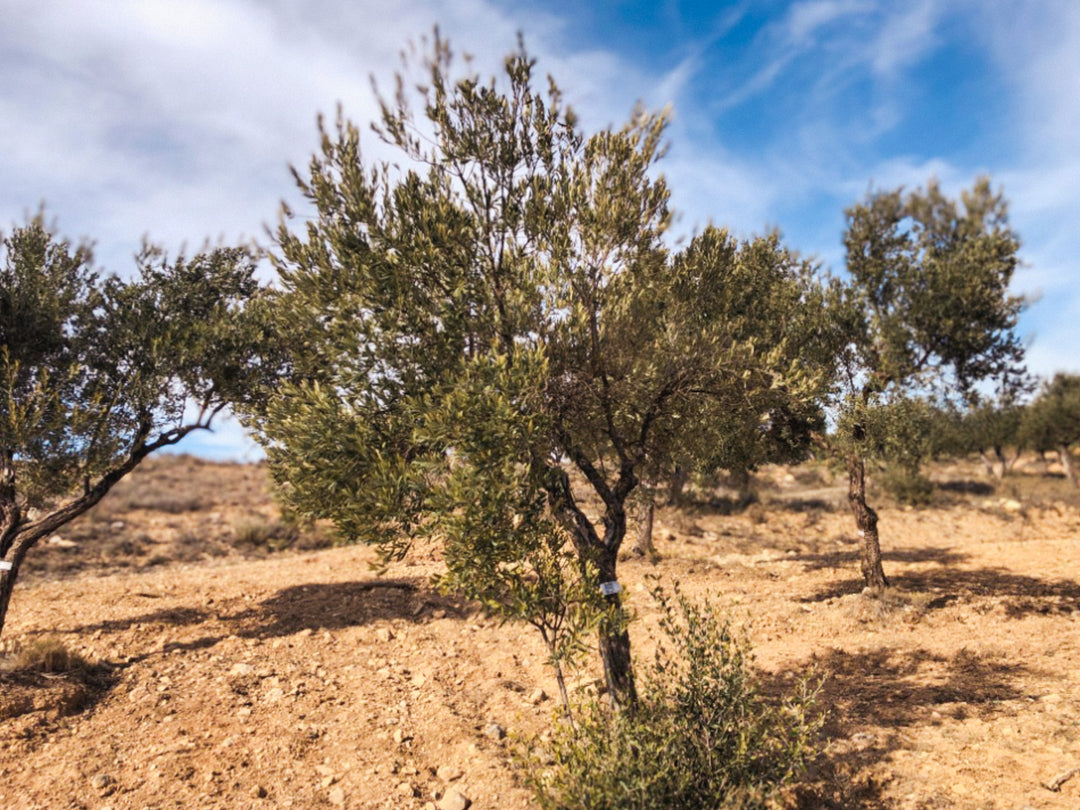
(1052, 420)
(96, 372)
(925, 313)
(703, 734)
(492, 343)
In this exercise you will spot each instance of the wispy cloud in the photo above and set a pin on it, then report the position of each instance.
(188, 113)
(907, 33)
(1039, 58)
(804, 20)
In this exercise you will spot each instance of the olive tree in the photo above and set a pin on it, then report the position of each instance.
(788, 317)
(97, 372)
(491, 341)
(737, 442)
(925, 310)
(1052, 420)
(992, 426)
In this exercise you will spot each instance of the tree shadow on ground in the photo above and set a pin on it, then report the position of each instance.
(346, 604)
(1021, 595)
(872, 696)
(178, 616)
(52, 696)
(966, 487)
(319, 606)
(824, 501)
(802, 505)
(327, 606)
(848, 558)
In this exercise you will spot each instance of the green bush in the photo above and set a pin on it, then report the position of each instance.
(701, 736)
(908, 487)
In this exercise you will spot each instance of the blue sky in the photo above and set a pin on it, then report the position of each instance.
(179, 118)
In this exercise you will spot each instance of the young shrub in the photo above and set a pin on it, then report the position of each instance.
(702, 734)
(909, 487)
(262, 534)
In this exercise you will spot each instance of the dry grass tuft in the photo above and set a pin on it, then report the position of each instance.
(887, 607)
(48, 655)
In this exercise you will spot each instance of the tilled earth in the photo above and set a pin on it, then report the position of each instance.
(301, 679)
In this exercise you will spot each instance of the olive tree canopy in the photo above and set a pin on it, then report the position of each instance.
(1052, 420)
(97, 372)
(925, 311)
(491, 340)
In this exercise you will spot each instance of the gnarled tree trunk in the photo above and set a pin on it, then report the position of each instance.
(866, 520)
(17, 536)
(615, 639)
(9, 572)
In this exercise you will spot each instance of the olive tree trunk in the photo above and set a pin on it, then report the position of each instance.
(615, 639)
(866, 521)
(677, 485)
(18, 537)
(643, 545)
(1067, 463)
(740, 479)
(995, 464)
(602, 554)
(9, 572)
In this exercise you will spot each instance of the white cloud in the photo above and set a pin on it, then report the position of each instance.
(911, 174)
(1038, 54)
(1054, 339)
(1040, 58)
(673, 85)
(907, 33)
(721, 190)
(805, 19)
(180, 118)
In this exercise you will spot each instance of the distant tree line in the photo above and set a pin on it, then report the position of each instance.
(1025, 415)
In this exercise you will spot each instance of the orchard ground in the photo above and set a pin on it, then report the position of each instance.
(237, 663)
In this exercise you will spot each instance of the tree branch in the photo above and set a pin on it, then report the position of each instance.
(577, 524)
(92, 496)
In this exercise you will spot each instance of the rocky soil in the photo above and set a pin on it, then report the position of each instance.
(238, 662)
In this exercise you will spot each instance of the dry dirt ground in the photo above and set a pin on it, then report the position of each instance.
(238, 664)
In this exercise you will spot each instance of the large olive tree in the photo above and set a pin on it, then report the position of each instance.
(925, 310)
(98, 372)
(491, 341)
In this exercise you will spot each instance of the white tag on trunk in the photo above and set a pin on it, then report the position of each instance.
(6, 566)
(610, 588)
